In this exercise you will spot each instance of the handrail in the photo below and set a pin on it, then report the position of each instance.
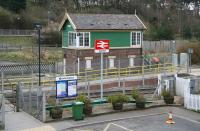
(108, 73)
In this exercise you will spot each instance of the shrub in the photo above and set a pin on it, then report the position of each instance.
(139, 98)
(196, 50)
(134, 94)
(87, 104)
(56, 111)
(166, 93)
(52, 38)
(187, 32)
(168, 98)
(118, 98)
(6, 19)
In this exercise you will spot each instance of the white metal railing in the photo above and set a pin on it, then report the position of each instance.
(191, 101)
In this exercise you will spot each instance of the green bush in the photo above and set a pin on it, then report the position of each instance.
(187, 32)
(166, 94)
(196, 50)
(134, 94)
(87, 110)
(83, 98)
(52, 38)
(6, 19)
(118, 98)
(139, 97)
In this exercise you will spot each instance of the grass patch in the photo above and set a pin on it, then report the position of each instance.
(31, 55)
(18, 40)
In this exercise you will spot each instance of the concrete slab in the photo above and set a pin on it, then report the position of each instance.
(15, 121)
(43, 128)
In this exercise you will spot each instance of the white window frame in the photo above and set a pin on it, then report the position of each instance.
(77, 39)
(88, 63)
(111, 61)
(69, 39)
(141, 39)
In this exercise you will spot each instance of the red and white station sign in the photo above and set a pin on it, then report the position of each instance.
(102, 46)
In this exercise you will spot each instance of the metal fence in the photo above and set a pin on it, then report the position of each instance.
(24, 69)
(2, 112)
(189, 88)
(35, 100)
(79, 65)
(30, 100)
(160, 46)
(14, 32)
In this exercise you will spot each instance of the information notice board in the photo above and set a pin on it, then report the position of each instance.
(66, 86)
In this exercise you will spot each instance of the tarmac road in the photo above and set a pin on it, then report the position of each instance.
(144, 123)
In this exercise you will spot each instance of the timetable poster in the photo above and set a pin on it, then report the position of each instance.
(72, 88)
(61, 89)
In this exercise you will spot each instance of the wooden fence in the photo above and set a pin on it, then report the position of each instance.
(160, 46)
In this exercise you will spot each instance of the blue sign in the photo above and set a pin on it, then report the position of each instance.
(72, 88)
(66, 86)
(61, 89)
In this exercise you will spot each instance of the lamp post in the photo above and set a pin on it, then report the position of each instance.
(190, 51)
(38, 27)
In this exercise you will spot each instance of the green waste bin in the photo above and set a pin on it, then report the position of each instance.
(77, 109)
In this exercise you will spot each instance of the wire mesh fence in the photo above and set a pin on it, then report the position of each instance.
(2, 112)
(30, 100)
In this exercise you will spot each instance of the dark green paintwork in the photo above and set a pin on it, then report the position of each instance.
(117, 39)
(67, 27)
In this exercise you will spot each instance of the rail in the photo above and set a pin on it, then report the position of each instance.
(92, 75)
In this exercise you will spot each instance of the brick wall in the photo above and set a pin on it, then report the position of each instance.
(73, 54)
(131, 83)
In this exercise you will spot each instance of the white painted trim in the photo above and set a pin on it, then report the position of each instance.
(111, 62)
(113, 48)
(141, 39)
(77, 41)
(88, 58)
(88, 65)
(68, 37)
(90, 39)
(131, 56)
(140, 21)
(111, 57)
(70, 20)
(62, 38)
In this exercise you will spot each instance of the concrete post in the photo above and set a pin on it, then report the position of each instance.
(64, 64)
(44, 106)
(119, 81)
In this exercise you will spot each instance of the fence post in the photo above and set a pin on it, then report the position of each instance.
(2, 126)
(2, 82)
(17, 97)
(119, 81)
(30, 92)
(123, 89)
(143, 72)
(196, 100)
(88, 88)
(44, 106)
